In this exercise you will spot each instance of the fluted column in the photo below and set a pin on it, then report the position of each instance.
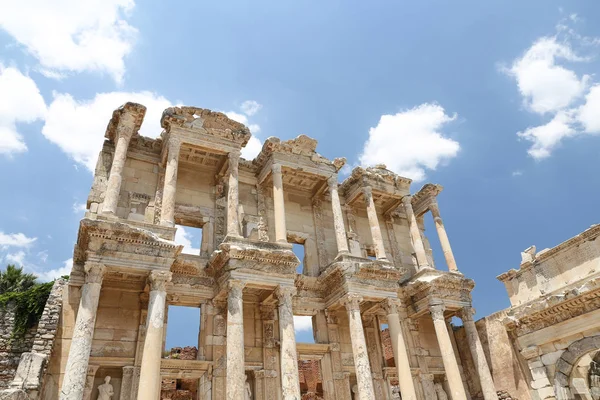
(374, 223)
(233, 223)
(338, 218)
(149, 385)
(236, 375)
(167, 212)
(81, 344)
(455, 383)
(407, 387)
(278, 204)
(290, 380)
(415, 234)
(483, 370)
(123, 136)
(441, 230)
(359, 348)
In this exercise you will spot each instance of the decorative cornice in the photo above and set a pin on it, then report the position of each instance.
(130, 114)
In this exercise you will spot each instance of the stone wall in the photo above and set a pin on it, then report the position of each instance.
(39, 339)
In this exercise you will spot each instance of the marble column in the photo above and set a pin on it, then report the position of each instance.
(359, 348)
(290, 379)
(233, 223)
(483, 370)
(338, 218)
(407, 387)
(81, 343)
(125, 131)
(457, 390)
(441, 230)
(149, 385)
(127, 383)
(374, 223)
(236, 375)
(415, 234)
(278, 204)
(167, 213)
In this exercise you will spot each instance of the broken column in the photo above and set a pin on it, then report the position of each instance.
(149, 384)
(407, 387)
(415, 234)
(374, 223)
(74, 380)
(236, 375)
(167, 214)
(233, 225)
(483, 370)
(359, 348)
(338, 219)
(448, 357)
(444, 241)
(290, 382)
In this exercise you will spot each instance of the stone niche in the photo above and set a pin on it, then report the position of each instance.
(116, 376)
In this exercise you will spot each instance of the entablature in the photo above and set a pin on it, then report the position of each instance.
(422, 200)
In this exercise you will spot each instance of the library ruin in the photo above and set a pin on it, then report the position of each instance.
(380, 304)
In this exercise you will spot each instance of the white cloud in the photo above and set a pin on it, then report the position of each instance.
(72, 35)
(20, 101)
(242, 119)
(15, 240)
(253, 147)
(411, 141)
(17, 258)
(589, 113)
(250, 107)
(79, 208)
(78, 127)
(302, 323)
(47, 276)
(184, 238)
(517, 173)
(546, 138)
(545, 85)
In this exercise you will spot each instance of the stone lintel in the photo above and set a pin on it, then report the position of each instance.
(424, 197)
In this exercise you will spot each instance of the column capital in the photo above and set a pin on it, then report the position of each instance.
(174, 145)
(391, 305)
(367, 191)
(466, 313)
(234, 156)
(285, 292)
(94, 272)
(276, 168)
(352, 301)
(437, 311)
(158, 280)
(235, 287)
(407, 201)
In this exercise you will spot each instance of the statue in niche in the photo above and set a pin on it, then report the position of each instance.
(105, 391)
(594, 378)
(247, 390)
(441, 393)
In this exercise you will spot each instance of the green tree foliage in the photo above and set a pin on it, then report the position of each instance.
(28, 298)
(15, 280)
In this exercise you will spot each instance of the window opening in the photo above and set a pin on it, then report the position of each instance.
(303, 326)
(190, 238)
(183, 332)
(298, 249)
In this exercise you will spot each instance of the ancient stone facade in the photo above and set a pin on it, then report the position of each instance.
(367, 267)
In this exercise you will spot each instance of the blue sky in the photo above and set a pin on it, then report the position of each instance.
(497, 101)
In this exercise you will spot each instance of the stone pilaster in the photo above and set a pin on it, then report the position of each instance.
(359, 348)
(338, 217)
(374, 223)
(483, 370)
(123, 136)
(457, 390)
(278, 204)
(233, 223)
(127, 383)
(415, 234)
(167, 214)
(374, 351)
(236, 375)
(407, 388)
(270, 356)
(81, 344)
(89, 381)
(444, 241)
(149, 386)
(219, 354)
(290, 382)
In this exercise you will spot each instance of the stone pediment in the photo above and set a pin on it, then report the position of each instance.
(302, 145)
(205, 121)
